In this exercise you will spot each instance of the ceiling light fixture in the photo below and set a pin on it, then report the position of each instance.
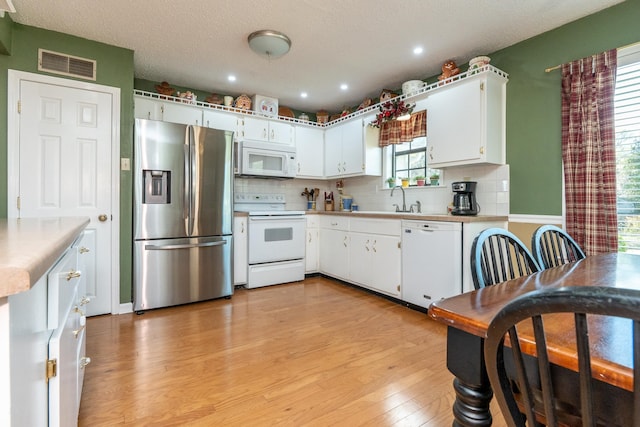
(418, 50)
(344, 86)
(269, 43)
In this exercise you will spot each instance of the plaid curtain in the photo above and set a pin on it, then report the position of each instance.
(397, 132)
(588, 151)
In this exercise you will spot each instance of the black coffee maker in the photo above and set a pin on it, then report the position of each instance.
(464, 198)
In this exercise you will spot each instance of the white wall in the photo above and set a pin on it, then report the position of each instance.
(372, 194)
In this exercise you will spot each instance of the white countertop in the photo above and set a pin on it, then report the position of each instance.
(30, 246)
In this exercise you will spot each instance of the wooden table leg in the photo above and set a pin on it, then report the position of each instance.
(465, 360)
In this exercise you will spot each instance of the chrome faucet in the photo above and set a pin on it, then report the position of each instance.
(418, 206)
(404, 204)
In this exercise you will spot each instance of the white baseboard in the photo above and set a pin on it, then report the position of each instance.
(127, 307)
(537, 219)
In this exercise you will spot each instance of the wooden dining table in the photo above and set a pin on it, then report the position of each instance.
(468, 316)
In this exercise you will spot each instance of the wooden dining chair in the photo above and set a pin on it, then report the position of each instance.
(552, 246)
(497, 255)
(525, 390)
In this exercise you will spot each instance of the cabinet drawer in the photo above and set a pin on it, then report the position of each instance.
(388, 227)
(312, 221)
(335, 222)
(62, 285)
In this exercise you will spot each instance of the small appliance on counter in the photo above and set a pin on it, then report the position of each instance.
(464, 198)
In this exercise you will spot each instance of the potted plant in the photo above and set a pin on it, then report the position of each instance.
(391, 181)
(434, 179)
(405, 182)
(420, 180)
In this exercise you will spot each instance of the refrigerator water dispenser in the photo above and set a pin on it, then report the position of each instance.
(156, 187)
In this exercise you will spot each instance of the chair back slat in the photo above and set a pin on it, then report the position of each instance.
(584, 366)
(540, 405)
(552, 246)
(497, 256)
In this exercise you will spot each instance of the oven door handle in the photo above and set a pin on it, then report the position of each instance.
(184, 246)
(277, 217)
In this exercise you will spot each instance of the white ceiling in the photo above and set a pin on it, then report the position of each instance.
(366, 44)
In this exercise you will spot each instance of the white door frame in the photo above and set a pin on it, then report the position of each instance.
(13, 158)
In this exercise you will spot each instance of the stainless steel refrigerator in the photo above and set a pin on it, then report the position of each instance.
(183, 214)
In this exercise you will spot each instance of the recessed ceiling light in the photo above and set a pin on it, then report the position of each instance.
(417, 50)
(344, 86)
(231, 78)
(303, 95)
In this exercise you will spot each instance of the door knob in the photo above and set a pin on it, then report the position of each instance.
(102, 218)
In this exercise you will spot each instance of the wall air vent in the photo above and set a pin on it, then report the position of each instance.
(60, 63)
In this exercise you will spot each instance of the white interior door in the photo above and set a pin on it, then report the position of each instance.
(65, 167)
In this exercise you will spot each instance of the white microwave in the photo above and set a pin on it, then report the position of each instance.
(265, 160)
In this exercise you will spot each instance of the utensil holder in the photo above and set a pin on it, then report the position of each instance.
(328, 205)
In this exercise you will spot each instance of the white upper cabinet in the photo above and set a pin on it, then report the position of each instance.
(309, 151)
(220, 120)
(185, 114)
(351, 149)
(466, 122)
(146, 108)
(173, 112)
(266, 130)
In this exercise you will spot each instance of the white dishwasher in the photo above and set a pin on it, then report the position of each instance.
(431, 261)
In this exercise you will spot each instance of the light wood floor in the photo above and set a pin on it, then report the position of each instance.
(312, 353)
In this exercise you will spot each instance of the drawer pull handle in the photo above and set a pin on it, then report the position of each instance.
(84, 361)
(73, 275)
(84, 301)
(77, 331)
(84, 250)
(78, 310)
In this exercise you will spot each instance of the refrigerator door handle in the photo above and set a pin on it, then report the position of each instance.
(184, 246)
(187, 189)
(193, 150)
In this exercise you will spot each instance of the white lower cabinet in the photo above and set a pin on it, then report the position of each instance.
(334, 246)
(240, 247)
(375, 255)
(46, 346)
(362, 251)
(312, 244)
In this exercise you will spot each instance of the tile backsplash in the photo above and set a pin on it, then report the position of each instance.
(372, 194)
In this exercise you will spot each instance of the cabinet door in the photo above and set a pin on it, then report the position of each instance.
(454, 123)
(386, 264)
(145, 108)
(255, 129)
(185, 114)
(334, 255)
(312, 250)
(333, 152)
(240, 250)
(281, 133)
(309, 152)
(63, 387)
(352, 147)
(220, 120)
(360, 257)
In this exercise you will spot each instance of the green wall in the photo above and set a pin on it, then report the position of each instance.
(533, 101)
(114, 68)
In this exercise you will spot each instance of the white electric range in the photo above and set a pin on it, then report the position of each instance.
(276, 239)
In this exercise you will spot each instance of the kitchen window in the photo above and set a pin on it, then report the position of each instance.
(409, 160)
(627, 124)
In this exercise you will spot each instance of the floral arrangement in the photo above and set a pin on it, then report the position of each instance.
(391, 110)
